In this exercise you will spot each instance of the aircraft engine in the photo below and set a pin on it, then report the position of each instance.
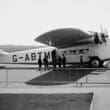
(100, 37)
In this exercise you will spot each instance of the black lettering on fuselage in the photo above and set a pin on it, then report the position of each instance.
(27, 57)
(33, 56)
(14, 57)
(47, 54)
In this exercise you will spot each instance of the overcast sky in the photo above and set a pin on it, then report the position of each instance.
(23, 20)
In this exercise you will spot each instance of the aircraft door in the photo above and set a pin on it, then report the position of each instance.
(54, 57)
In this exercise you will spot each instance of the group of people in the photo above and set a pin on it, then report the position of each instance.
(45, 61)
(60, 61)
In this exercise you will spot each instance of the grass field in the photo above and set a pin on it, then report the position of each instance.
(46, 101)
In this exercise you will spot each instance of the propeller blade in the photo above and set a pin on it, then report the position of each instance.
(102, 31)
(106, 33)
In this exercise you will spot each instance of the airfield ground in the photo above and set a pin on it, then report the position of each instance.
(100, 101)
(46, 101)
(31, 81)
(30, 76)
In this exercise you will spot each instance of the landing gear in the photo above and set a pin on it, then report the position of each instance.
(95, 62)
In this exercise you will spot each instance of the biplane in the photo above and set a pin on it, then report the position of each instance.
(93, 47)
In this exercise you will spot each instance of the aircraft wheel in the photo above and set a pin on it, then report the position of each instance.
(95, 62)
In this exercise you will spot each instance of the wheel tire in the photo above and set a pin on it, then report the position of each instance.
(95, 62)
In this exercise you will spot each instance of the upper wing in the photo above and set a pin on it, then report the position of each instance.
(62, 38)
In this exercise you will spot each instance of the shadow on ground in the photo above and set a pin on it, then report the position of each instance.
(59, 76)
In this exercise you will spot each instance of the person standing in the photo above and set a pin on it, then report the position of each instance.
(45, 62)
(54, 62)
(40, 62)
(59, 61)
(54, 58)
(64, 61)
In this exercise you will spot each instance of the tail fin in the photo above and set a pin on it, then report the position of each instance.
(3, 52)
